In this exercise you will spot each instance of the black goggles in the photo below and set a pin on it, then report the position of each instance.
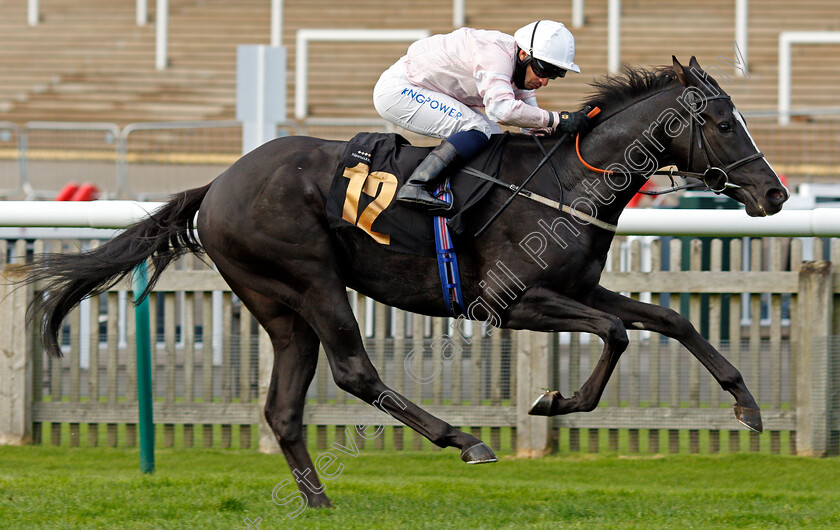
(547, 70)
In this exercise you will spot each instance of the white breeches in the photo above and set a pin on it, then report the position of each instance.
(425, 111)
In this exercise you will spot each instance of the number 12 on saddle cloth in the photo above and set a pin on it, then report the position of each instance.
(371, 170)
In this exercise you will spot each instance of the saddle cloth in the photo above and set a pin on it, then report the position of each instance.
(374, 166)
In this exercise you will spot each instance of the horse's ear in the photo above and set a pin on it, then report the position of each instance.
(694, 64)
(679, 70)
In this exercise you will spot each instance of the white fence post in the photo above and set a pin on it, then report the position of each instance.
(276, 23)
(784, 79)
(15, 357)
(533, 433)
(161, 37)
(815, 303)
(577, 13)
(459, 16)
(32, 14)
(614, 36)
(742, 11)
(142, 15)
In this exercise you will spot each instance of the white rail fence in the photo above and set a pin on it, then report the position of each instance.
(819, 222)
(786, 41)
(771, 313)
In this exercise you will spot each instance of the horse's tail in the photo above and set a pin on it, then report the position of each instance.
(162, 236)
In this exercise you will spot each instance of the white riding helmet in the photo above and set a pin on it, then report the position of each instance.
(548, 41)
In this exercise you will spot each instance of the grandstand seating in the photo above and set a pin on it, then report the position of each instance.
(89, 61)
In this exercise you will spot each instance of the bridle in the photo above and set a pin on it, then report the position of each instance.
(713, 178)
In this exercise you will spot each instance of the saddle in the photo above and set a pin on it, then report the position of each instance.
(364, 188)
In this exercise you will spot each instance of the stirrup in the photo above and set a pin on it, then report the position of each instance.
(416, 194)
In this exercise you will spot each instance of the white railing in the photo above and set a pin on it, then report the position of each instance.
(742, 9)
(142, 12)
(161, 34)
(819, 222)
(613, 36)
(276, 23)
(305, 36)
(94, 214)
(786, 40)
(577, 13)
(459, 17)
(32, 14)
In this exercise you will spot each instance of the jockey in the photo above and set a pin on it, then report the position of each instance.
(435, 89)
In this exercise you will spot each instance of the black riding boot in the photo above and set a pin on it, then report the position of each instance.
(422, 182)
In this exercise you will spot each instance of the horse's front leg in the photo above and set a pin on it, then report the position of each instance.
(545, 310)
(668, 322)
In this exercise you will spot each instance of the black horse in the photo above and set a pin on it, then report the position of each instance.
(263, 223)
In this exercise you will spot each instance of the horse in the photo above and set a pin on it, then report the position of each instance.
(263, 223)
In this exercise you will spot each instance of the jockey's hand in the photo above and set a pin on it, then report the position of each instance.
(573, 122)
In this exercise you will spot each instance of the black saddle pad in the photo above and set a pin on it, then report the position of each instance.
(374, 166)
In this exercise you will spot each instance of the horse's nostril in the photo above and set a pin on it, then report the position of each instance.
(776, 196)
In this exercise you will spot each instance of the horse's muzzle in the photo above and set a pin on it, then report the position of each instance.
(775, 198)
(758, 204)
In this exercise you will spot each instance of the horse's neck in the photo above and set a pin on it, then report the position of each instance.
(624, 146)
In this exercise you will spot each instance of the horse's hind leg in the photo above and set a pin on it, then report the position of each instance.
(295, 358)
(295, 347)
(353, 372)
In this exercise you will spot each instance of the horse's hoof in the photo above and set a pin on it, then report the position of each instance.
(542, 406)
(749, 418)
(319, 501)
(479, 454)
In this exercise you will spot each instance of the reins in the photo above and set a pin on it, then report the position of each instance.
(713, 178)
(517, 189)
(720, 175)
(671, 173)
(551, 203)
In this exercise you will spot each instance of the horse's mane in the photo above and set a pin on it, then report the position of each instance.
(633, 83)
(613, 91)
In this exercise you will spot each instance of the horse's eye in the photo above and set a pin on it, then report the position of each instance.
(725, 127)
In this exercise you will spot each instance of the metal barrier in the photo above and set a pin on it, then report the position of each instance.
(786, 40)
(145, 161)
(59, 152)
(11, 160)
(161, 158)
(341, 128)
(149, 161)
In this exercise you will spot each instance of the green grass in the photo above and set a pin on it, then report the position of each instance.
(61, 487)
